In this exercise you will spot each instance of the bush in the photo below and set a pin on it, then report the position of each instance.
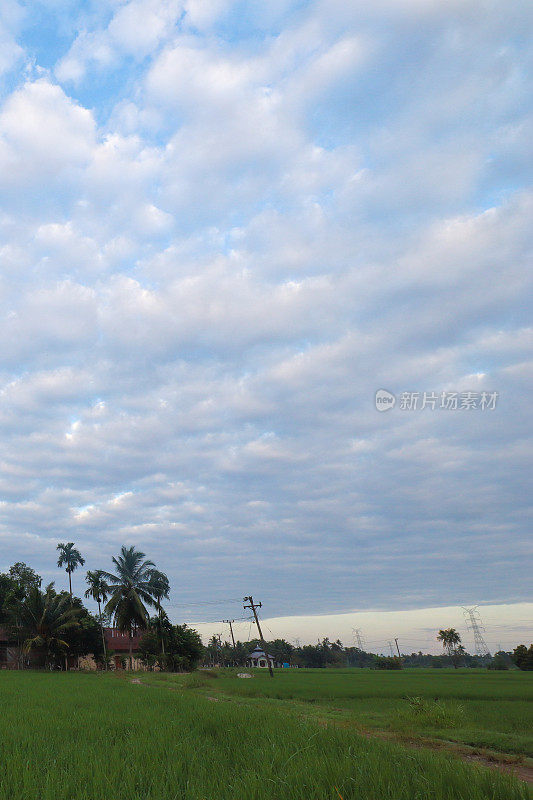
(195, 680)
(387, 662)
(431, 713)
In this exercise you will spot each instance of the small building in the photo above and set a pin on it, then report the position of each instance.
(14, 656)
(258, 658)
(119, 643)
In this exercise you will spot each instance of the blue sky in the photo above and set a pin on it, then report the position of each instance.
(223, 227)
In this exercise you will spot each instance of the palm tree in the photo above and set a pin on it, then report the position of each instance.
(70, 558)
(130, 589)
(451, 641)
(45, 617)
(160, 588)
(99, 591)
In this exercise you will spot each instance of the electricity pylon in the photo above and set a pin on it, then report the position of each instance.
(358, 638)
(474, 623)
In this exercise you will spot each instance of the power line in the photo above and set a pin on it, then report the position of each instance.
(204, 622)
(210, 602)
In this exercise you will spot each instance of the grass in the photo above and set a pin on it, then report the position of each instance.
(86, 737)
(479, 708)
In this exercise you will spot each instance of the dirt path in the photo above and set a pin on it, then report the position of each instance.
(516, 765)
(502, 762)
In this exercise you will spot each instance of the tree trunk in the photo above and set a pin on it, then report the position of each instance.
(161, 630)
(103, 636)
(131, 650)
(70, 582)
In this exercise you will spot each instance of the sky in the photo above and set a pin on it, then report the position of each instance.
(224, 226)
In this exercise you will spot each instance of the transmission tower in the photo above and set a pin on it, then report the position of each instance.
(358, 638)
(391, 649)
(474, 623)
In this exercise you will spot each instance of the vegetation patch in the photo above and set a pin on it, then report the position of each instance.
(422, 712)
(69, 736)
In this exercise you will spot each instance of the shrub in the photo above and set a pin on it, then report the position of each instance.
(431, 713)
(195, 680)
(388, 662)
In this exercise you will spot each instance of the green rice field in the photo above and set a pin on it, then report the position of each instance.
(480, 708)
(72, 736)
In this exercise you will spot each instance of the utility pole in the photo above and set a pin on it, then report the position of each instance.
(230, 621)
(254, 606)
(398, 649)
(473, 621)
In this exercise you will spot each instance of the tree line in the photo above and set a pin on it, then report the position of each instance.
(56, 625)
(331, 654)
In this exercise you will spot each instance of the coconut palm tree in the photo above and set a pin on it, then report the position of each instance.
(130, 590)
(160, 588)
(99, 591)
(70, 558)
(45, 617)
(451, 641)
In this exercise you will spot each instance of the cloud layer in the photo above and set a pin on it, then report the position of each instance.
(224, 226)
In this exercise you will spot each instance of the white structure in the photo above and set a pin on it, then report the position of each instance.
(258, 658)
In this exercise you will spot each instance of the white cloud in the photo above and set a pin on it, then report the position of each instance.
(136, 29)
(44, 136)
(212, 259)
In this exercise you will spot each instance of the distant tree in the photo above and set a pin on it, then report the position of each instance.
(280, 650)
(355, 657)
(500, 661)
(213, 651)
(458, 655)
(85, 638)
(523, 657)
(149, 648)
(160, 588)
(98, 590)
(184, 648)
(7, 589)
(313, 656)
(131, 590)
(187, 647)
(25, 577)
(236, 656)
(70, 558)
(451, 642)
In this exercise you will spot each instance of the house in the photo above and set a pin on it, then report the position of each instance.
(13, 656)
(258, 658)
(119, 643)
